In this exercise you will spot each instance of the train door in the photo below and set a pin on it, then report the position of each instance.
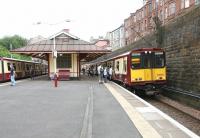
(158, 69)
(146, 64)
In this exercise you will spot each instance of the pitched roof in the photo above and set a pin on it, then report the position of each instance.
(64, 42)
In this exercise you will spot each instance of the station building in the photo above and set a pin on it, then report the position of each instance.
(64, 53)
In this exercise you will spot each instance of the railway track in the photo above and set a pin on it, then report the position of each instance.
(176, 113)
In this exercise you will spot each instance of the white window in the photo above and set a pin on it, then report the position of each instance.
(134, 18)
(182, 4)
(197, 2)
(166, 12)
(161, 15)
(172, 8)
(187, 3)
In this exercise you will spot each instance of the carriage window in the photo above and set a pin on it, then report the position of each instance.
(125, 65)
(159, 59)
(8, 64)
(27, 67)
(117, 66)
(135, 60)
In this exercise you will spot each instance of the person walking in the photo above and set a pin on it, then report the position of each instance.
(12, 75)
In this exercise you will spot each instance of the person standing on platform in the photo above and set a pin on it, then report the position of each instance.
(110, 73)
(12, 75)
(32, 74)
(100, 73)
(105, 73)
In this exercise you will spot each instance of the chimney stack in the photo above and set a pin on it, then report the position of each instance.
(66, 30)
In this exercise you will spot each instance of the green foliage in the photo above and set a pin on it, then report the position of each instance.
(4, 52)
(16, 41)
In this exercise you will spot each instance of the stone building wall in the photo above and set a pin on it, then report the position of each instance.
(182, 46)
(181, 41)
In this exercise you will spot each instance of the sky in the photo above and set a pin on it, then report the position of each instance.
(87, 17)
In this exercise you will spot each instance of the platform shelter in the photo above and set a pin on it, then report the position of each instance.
(64, 53)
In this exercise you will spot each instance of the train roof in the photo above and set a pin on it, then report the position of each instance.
(12, 59)
(121, 52)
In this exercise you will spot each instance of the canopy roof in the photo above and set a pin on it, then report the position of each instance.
(64, 43)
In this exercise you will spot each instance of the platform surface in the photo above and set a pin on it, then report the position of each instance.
(78, 109)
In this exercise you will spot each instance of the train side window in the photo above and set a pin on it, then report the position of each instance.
(27, 67)
(8, 64)
(159, 59)
(117, 66)
(136, 60)
(125, 65)
(14, 65)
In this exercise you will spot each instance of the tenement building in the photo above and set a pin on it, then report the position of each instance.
(141, 22)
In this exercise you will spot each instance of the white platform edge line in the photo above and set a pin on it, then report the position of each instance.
(184, 129)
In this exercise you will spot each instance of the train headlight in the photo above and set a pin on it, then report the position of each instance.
(140, 78)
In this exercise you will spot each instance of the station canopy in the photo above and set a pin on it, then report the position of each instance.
(64, 43)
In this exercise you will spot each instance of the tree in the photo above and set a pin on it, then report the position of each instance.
(4, 52)
(16, 41)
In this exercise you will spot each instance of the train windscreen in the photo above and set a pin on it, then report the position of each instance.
(136, 60)
(147, 59)
(159, 59)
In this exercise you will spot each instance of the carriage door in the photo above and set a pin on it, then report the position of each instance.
(147, 65)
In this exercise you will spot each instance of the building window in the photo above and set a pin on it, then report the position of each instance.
(64, 61)
(185, 4)
(161, 15)
(150, 7)
(166, 13)
(197, 2)
(161, 2)
(172, 8)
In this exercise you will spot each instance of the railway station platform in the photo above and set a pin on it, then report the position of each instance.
(81, 109)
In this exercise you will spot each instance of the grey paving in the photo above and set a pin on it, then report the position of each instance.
(35, 109)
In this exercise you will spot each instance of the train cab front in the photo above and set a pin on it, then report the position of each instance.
(148, 70)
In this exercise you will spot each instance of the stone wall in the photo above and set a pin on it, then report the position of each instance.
(182, 46)
(181, 41)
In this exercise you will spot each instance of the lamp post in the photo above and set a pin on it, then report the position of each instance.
(54, 52)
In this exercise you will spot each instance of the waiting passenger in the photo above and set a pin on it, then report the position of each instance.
(105, 73)
(110, 73)
(100, 72)
(32, 73)
(12, 75)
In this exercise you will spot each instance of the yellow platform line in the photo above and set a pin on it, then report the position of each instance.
(145, 129)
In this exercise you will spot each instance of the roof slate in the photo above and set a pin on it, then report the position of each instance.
(62, 45)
